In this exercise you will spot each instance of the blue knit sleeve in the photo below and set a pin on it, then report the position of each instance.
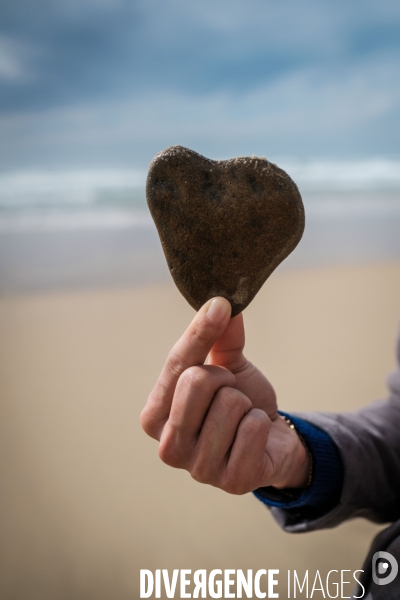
(324, 491)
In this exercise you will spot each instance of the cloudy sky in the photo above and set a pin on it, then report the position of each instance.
(108, 83)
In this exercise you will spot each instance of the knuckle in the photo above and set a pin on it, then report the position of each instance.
(231, 400)
(174, 365)
(170, 452)
(145, 421)
(202, 334)
(257, 421)
(252, 427)
(234, 486)
(199, 475)
(245, 403)
(193, 377)
(202, 473)
(148, 422)
(227, 397)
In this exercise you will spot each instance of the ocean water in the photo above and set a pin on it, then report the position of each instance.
(79, 229)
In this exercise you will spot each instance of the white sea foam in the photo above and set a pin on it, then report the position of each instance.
(35, 222)
(70, 187)
(81, 186)
(37, 201)
(363, 175)
(345, 206)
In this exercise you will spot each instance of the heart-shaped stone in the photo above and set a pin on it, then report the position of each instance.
(224, 225)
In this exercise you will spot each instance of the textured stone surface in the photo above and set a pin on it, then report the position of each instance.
(224, 225)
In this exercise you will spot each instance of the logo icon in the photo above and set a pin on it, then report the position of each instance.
(384, 568)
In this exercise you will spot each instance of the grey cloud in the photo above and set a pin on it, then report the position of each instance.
(113, 81)
(103, 49)
(347, 114)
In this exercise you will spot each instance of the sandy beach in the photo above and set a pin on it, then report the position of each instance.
(85, 500)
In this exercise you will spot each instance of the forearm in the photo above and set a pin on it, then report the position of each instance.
(368, 444)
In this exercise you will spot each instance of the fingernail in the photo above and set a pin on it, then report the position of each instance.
(218, 310)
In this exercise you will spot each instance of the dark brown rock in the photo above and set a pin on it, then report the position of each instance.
(224, 225)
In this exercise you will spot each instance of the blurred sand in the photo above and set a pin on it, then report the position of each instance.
(85, 500)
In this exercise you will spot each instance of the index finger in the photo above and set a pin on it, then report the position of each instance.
(190, 350)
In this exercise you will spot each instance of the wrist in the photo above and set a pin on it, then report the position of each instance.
(297, 472)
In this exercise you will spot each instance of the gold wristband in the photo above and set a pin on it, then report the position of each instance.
(292, 426)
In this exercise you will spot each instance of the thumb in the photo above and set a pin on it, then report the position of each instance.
(228, 349)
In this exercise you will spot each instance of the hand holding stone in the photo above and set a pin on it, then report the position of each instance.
(219, 420)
